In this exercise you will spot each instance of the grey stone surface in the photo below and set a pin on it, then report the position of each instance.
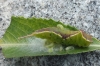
(83, 14)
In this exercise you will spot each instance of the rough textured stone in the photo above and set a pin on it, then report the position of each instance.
(83, 14)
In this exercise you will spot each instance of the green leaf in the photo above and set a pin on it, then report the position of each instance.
(33, 46)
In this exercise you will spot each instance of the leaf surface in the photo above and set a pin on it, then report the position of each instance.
(32, 46)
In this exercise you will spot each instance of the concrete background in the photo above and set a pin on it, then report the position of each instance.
(83, 14)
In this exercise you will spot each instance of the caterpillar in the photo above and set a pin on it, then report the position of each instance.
(63, 36)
